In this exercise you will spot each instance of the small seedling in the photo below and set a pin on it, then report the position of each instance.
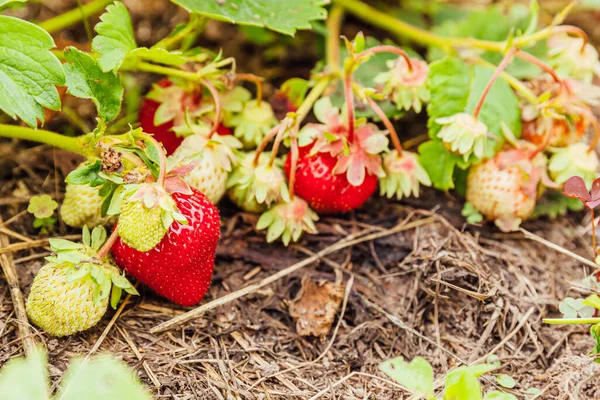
(43, 207)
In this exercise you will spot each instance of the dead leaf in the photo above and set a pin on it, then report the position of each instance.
(315, 306)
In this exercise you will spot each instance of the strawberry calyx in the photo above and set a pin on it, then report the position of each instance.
(85, 263)
(176, 99)
(463, 134)
(288, 220)
(261, 184)
(403, 175)
(573, 56)
(405, 86)
(222, 149)
(357, 156)
(253, 123)
(573, 160)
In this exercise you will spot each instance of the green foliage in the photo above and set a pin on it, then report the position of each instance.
(439, 163)
(281, 16)
(5, 4)
(115, 37)
(470, 212)
(28, 71)
(555, 204)
(43, 207)
(416, 376)
(102, 377)
(456, 88)
(85, 79)
(460, 383)
(87, 175)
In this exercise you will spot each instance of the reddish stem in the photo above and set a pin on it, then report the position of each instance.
(215, 94)
(349, 105)
(503, 64)
(594, 236)
(536, 61)
(283, 127)
(293, 164)
(575, 31)
(388, 124)
(161, 158)
(263, 144)
(258, 81)
(103, 252)
(387, 49)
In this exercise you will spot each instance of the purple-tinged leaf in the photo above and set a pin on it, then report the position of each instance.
(595, 192)
(575, 187)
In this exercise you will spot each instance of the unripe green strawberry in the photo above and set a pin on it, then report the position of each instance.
(71, 293)
(62, 307)
(81, 206)
(141, 227)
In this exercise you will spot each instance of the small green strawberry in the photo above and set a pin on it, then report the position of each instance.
(71, 292)
(82, 206)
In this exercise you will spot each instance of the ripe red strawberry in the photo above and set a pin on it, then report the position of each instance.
(180, 267)
(164, 133)
(325, 192)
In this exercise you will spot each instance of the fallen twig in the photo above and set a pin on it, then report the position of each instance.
(560, 249)
(342, 244)
(8, 267)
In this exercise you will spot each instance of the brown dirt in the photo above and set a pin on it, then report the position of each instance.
(445, 291)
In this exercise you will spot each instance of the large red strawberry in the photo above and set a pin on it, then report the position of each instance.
(163, 133)
(326, 192)
(179, 101)
(180, 266)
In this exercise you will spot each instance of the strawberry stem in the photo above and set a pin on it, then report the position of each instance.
(103, 252)
(388, 124)
(594, 245)
(334, 23)
(542, 65)
(387, 49)
(293, 164)
(74, 144)
(215, 95)
(263, 145)
(503, 64)
(575, 31)
(349, 104)
(74, 16)
(195, 23)
(283, 127)
(258, 81)
(516, 84)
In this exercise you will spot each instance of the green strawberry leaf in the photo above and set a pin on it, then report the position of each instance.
(6, 4)
(156, 55)
(555, 204)
(281, 16)
(506, 381)
(25, 378)
(416, 376)
(88, 380)
(85, 79)
(439, 163)
(29, 72)
(115, 37)
(456, 87)
(87, 175)
(462, 384)
(77, 272)
(498, 395)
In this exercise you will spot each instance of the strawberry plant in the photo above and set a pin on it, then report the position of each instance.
(507, 114)
(460, 383)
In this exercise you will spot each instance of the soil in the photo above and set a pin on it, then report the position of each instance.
(449, 292)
